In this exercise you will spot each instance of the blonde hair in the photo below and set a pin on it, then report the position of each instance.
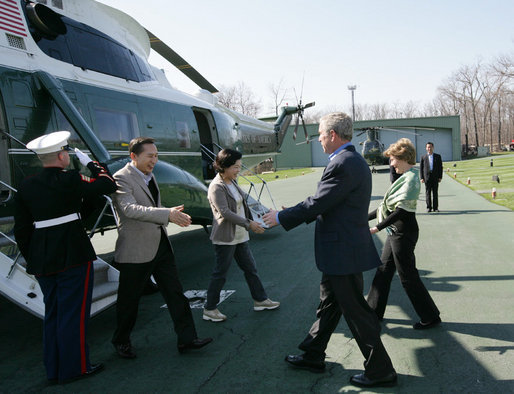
(403, 149)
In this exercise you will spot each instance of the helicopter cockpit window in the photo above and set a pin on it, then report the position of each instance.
(63, 124)
(114, 127)
(88, 48)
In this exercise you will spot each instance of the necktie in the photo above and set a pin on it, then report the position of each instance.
(153, 189)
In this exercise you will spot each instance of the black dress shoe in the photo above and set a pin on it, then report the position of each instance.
(124, 350)
(299, 361)
(95, 368)
(424, 326)
(195, 344)
(362, 380)
(429, 209)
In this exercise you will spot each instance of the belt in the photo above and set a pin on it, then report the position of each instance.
(56, 221)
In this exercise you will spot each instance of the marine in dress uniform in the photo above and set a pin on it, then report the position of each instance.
(53, 241)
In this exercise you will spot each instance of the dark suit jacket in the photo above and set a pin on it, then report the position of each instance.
(343, 243)
(50, 194)
(424, 168)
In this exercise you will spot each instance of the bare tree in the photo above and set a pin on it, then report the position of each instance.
(483, 96)
(239, 98)
(278, 94)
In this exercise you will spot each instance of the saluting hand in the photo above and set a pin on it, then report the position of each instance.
(178, 217)
(256, 227)
(83, 158)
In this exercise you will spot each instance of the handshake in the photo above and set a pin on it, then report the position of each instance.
(270, 218)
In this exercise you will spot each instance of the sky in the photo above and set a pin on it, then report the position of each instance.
(394, 51)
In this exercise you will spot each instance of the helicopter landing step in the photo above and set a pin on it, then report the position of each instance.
(23, 289)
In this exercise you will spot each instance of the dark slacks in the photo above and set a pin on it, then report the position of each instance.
(244, 258)
(431, 197)
(398, 254)
(342, 295)
(67, 297)
(133, 278)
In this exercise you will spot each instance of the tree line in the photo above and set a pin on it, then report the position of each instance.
(482, 94)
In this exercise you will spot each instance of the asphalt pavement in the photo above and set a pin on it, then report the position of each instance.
(465, 258)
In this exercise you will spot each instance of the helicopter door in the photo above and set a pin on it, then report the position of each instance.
(208, 141)
(5, 168)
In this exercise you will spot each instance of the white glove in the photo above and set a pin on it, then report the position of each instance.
(83, 158)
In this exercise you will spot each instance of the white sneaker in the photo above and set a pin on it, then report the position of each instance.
(266, 304)
(214, 315)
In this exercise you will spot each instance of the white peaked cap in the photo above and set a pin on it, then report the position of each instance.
(53, 142)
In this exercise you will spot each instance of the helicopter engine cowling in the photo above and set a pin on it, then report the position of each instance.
(45, 20)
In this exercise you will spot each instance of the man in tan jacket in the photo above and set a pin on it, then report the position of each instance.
(143, 249)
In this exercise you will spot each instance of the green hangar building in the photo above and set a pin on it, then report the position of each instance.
(443, 131)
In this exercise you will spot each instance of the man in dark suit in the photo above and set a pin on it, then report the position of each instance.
(143, 249)
(431, 171)
(51, 237)
(343, 250)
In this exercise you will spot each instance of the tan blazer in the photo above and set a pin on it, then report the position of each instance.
(224, 211)
(140, 220)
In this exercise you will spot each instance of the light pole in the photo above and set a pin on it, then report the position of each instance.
(352, 88)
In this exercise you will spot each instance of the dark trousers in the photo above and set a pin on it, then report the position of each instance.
(133, 278)
(244, 259)
(342, 295)
(398, 254)
(431, 188)
(67, 297)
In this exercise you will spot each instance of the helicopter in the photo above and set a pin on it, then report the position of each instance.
(373, 149)
(82, 66)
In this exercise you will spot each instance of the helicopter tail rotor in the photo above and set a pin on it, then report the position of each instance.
(299, 116)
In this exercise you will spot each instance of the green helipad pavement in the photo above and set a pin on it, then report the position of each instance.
(465, 255)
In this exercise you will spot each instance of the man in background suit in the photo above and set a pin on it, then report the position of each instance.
(343, 250)
(431, 172)
(143, 249)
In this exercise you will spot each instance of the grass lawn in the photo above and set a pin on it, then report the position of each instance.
(481, 174)
(281, 174)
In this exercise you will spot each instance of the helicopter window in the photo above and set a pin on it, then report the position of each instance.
(88, 48)
(64, 124)
(143, 68)
(22, 94)
(183, 134)
(115, 127)
(185, 127)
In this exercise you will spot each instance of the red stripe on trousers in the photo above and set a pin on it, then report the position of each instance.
(83, 360)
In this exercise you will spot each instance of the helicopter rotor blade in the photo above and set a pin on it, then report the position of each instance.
(296, 126)
(174, 58)
(400, 131)
(414, 127)
(304, 129)
(311, 138)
